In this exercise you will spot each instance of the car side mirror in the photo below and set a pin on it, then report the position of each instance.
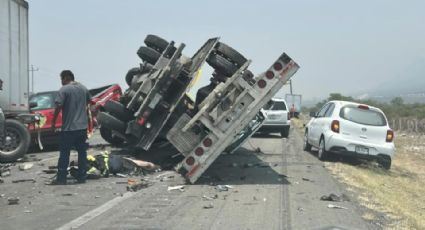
(33, 105)
(313, 114)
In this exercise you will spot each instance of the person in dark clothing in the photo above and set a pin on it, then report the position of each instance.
(72, 100)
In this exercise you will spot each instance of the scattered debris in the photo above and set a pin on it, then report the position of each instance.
(300, 209)
(121, 175)
(335, 198)
(248, 165)
(13, 200)
(210, 197)
(27, 211)
(52, 167)
(96, 197)
(306, 179)
(24, 180)
(258, 150)
(208, 206)
(2, 195)
(222, 188)
(177, 187)
(25, 166)
(254, 198)
(50, 171)
(134, 185)
(1, 181)
(67, 194)
(336, 206)
(118, 194)
(264, 199)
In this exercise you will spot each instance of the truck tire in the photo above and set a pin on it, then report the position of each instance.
(130, 74)
(110, 122)
(118, 110)
(15, 142)
(155, 42)
(221, 64)
(384, 161)
(106, 134)
(231, 54)
(148, 54)
(306, 145)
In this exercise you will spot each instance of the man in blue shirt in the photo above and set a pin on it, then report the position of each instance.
(72, 100)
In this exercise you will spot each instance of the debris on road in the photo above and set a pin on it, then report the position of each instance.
(208, 206)
(50, 171)
(13, 200)
(336, 206)
(24, 180)
(306, 179)
(335, 198)
(25, 166)
(67, 194)
(1, 181)
(177, 187)
(134, 185)
(222, 188)
(205, 197)
(27, 211)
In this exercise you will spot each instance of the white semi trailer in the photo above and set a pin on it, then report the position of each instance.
(14, 59)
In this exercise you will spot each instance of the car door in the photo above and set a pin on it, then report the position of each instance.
(46, 107)
(324, 123)
(315, 124)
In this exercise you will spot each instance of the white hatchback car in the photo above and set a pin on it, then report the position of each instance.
(277, 118)
(349, 128)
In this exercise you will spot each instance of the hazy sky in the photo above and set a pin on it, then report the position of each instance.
(341, 46)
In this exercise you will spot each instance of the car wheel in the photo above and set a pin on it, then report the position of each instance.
(231, 54)
(110, 122)
(130, 74)
(156, 42)
(384, 161)
(322, 154)
(117, 109)
(285, 132)
(221, 64)
(106, 134)
(15, 142)
(306, 146)
(148, 54)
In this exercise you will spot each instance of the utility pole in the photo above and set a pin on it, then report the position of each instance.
(32, 70)
(290, 86)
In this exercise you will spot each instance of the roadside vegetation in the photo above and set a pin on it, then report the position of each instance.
(395, 198)
(395, 109)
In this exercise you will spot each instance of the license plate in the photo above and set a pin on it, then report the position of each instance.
(362, 150)
(272, 117)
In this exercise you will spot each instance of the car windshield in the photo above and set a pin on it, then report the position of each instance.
(363, 116)
(278, 105)
(44, 101)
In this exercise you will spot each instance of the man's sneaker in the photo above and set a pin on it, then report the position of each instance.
(56, 182)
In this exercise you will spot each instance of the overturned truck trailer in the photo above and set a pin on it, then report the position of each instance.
(224, 114)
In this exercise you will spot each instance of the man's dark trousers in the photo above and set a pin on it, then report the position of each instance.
(69, 139)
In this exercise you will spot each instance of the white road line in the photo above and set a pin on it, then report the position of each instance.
(78, 222)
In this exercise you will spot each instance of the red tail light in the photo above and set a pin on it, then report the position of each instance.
(199, 151)
(141, 121)
(269, 74)
(207, 142)
(261, 83)
(365, 107)
(335, 126)
(190, 161)
(390, 136)
(277, 66)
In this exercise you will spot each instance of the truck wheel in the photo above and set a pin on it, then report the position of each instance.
(130, 74)
(231, 54)
(322, 154)
(156, 42)
(110, 122)
(107, 136)
(306, 146)
(15, 142)
(285, 132)
(148, 54)
(384, 161)
(221, 64)
(117, 109)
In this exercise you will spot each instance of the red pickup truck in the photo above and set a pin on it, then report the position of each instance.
(43, 103)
